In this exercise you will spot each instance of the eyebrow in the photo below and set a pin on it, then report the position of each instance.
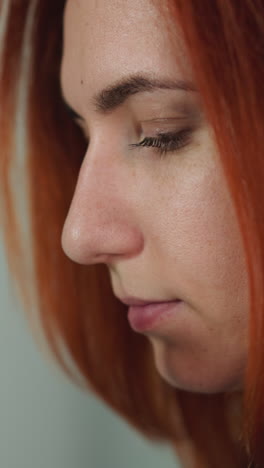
(113, 96)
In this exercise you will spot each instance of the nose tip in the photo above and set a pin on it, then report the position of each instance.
(79, 248)
(100, 241)
(70, 243)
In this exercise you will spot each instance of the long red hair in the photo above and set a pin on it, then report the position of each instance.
(225, 43)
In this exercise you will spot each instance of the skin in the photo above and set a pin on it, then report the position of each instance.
(165, 227)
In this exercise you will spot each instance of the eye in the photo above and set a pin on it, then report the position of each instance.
(166, 142)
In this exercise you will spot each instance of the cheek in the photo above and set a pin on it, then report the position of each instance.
(202, 243)
(206, 349)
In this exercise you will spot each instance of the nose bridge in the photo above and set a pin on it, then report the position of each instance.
(98, 223)
(99, 185)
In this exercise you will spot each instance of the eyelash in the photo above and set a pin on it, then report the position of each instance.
(166, 142)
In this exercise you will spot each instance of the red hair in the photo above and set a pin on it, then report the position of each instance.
(225, 43)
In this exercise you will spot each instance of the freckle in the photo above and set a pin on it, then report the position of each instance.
(81, 81)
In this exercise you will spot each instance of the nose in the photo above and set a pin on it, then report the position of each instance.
(101, 222)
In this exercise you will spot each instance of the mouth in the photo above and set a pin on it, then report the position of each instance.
(150, 316)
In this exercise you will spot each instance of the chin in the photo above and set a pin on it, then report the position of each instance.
(197, 378)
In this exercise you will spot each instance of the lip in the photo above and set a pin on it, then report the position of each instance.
(135, 301)
(148, 317)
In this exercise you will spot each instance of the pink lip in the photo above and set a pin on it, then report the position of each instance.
(143, 318)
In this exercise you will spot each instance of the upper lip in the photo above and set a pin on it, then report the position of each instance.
(135, 301)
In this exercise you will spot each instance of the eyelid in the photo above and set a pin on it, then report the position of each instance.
(165, 125)
(167, 119)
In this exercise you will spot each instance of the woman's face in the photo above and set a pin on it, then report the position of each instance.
(164, 224)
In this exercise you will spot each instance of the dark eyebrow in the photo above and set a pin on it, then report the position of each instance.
(111, 97)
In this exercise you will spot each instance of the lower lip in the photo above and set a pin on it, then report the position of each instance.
(148, 317)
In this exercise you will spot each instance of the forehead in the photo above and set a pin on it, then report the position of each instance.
(105, 41)
(110, 19)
